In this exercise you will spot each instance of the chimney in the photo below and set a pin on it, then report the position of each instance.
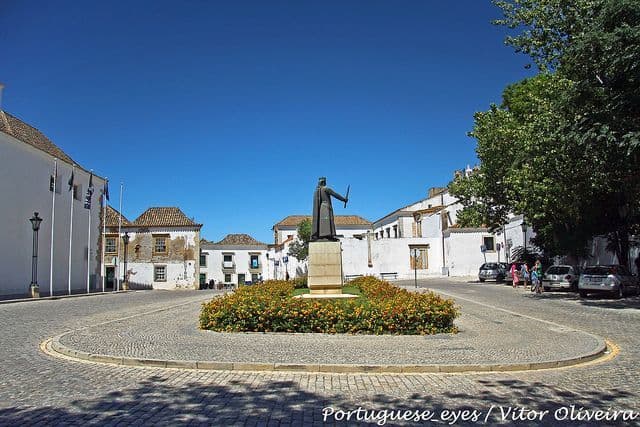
(1, 87)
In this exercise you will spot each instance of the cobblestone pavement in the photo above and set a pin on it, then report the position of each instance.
(38, 389)
(485, 338)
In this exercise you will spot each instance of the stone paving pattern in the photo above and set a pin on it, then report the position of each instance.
(36, 389)
(494, 337)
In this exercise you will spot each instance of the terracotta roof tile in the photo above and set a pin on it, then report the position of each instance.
(239, 239)
(294, 220)
(30, 135)
(164, 217)
(112, 218)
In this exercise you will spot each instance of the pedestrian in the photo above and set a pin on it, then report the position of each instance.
(524, 272)
(538, 269)
(535, 278)
(514, 275)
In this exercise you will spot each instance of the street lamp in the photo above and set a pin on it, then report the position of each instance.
(415, 267)
(35, 225)
(125, 240)
(524, 236)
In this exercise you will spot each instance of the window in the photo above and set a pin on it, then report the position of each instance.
(227, 278)
(159, 244)
(388, 233)
(160, 273)
(418, 257)
(228, 258)
(489, 243)
(255, 261)
(110, 245)
(203, 260)
(254, 277)
(395, 231)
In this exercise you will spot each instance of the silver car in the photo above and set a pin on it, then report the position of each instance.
(561, 277)
(614, 280)
(491, 271)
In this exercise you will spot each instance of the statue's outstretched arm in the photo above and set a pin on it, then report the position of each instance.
(334, 194)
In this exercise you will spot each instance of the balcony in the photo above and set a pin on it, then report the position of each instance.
(228, 265)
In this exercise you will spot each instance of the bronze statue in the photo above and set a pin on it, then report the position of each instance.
(323, 226)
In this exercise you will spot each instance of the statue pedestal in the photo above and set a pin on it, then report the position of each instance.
(325, 268)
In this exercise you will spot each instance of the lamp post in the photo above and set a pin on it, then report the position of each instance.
(524, 237)
(35, 225)
(415, 267)
(125, 240)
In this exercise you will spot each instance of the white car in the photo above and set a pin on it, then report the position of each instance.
(614, 280)
(561, 277)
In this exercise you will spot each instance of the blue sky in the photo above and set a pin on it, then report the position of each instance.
(232, 110)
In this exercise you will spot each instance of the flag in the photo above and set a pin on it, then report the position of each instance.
(54, 178)
(105, 190)
(87, 199)
(71, 181)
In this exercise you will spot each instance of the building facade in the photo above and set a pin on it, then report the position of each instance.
(163, 250)
(237, 259)
(35, 177)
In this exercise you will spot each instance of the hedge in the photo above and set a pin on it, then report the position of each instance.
(383, 309)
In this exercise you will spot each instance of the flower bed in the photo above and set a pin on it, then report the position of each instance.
(383, 309)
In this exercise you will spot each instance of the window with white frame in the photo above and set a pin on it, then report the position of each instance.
(227, 278)
(203, 260)
(110, 245)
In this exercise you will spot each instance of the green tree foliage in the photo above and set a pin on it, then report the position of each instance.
(300, 248)
(563, 147)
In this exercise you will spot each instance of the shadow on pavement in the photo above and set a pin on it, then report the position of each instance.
(243, 402)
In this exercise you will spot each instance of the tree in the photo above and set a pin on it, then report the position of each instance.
(300, 248)
(563, 147)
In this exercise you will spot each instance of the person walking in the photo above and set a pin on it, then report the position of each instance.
(524, 272)
(538, 269)
(514, 275)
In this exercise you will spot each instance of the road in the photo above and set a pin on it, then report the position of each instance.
(38, 389)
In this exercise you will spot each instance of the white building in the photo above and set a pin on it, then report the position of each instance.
(27, 163)
(162, 253)
(351, 228)
(236, 259)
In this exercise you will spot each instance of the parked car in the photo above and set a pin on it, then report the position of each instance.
(492, 271)
(561, 277)
(614, 280)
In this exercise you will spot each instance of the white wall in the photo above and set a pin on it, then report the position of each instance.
(24, 189)
(463, 255)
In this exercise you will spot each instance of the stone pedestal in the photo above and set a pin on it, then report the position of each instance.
(325, 268)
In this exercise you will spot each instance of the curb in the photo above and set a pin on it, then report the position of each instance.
(54, 347)
(54, 297)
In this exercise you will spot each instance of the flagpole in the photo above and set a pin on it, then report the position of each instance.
(119, 233)
(73, 168)
(53, 221)
(105, 200)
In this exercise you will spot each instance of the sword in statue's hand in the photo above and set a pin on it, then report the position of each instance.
(346, 198)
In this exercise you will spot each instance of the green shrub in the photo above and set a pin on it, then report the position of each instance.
(300, 282)
(384, 309)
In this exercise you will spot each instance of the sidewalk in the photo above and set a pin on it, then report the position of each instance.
(489, 340)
